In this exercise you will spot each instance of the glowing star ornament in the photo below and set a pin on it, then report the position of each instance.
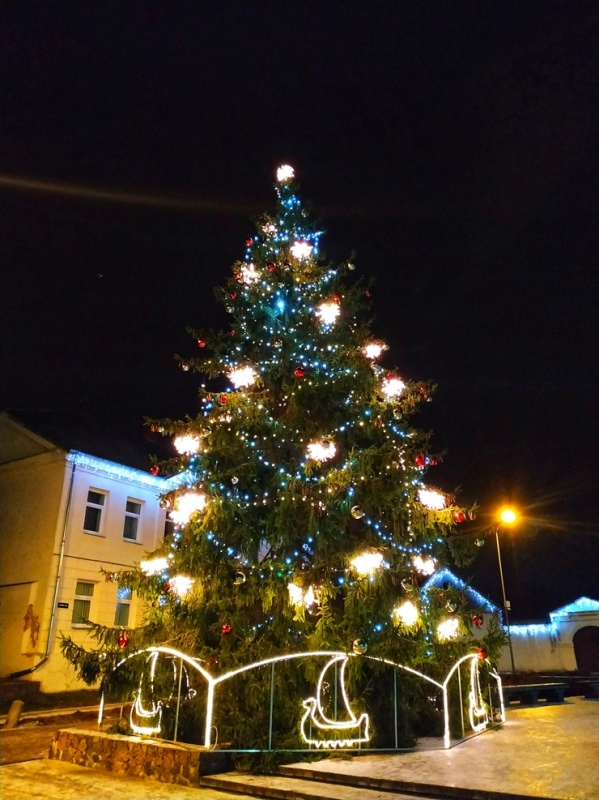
(187, 445)
(448, 628)
(241, 377)
(407, 613)
(367, 563)
(153, 566)
(248, 274)
(327, 313)
(392, 387)
(285, 173)
(187, 504)
(426, 566)
(301, 250)
(374, 350)
(321, 451)
(298, 597)
(432, 499)
(180, 585)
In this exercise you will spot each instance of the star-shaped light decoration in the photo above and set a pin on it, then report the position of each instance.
(368, 562)
(328, 312)
(187, 504)
(448, 628)
(180, 584)
(407, 613)
(432, 499)
(242, 376)
(392, 386)
(426, 566)
(153, 566)
(301, 249)
(321, 451)
(248, 274)
(187, 445)
(374, 350)
(285, 173)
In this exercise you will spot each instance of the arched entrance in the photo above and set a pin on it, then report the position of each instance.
(586, 648)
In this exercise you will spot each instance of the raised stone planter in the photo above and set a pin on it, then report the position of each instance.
(132, 755)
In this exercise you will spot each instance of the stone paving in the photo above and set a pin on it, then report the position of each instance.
(545, 752)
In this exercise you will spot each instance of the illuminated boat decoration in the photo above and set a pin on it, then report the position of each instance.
(318, 730)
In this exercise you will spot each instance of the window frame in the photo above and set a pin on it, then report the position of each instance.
(101, 507)
(133, 515)
(124, 602)
(82, 598)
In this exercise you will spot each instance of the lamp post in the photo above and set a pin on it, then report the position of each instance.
(508, 516)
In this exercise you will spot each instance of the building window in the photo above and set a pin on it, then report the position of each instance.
(82, 602)
(93, 511)
(132, 515)
(123, 605)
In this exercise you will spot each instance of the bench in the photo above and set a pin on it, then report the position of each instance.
(530, 694)
(589, 688)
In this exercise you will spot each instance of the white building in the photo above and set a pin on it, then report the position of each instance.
(64, 515)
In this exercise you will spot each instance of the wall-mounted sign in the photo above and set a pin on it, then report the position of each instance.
(63, 605)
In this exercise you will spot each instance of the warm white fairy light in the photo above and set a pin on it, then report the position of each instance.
(180, 584)
(321, 451)
(367, 563)
(187, 445)
(328, 313)
(242, 376)
(432, 499)
(426, 566)
(448, 628)
(285, 173)
(187, 504)
(153, 566)
(248, 274)
(374, 349)
(407, 613)
(301, 250)
(392, 387)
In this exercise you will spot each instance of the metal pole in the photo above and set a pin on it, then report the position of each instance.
(395, 707)
(505, 602)
(461, 701)
(178, 699)
(272, 700)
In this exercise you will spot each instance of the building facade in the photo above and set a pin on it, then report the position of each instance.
(65, 516)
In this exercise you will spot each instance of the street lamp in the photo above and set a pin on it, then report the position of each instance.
(506, 516)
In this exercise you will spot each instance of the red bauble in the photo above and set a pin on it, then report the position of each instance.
(201, 343)
(123, 640)
(367, 293)
(226, 628)
(420, 460)
(477, 620)
(249, 242)
(223, 399)
(336, 298)
(299, 372)
(154, 469)
(232, 333)
(459, 516)
(271, 267)
(482, 653)
(233, 295)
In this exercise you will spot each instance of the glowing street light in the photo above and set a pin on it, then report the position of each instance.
(506, 516)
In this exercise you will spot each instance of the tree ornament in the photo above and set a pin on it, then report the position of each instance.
(239, 578)
(482, 653)
(123, 640)
(154, 469)
(451, 607)
(407, 585)
(234, 480)
(351, 266)
(357, 512)
(226, 628)
(164, 503)
(271, 267)
(367, 293)
(359, 647)
(201, 343)
(213, 661)
(337, 298)
(233, 295)
(223, 399)
(299, 372)
(420, 460)
(477, 620)
(471, 516)
(459, 516)
(229, 309)
(278, 343)
(249, 242)
(479, 542)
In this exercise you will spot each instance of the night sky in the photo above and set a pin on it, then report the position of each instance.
(452, 147)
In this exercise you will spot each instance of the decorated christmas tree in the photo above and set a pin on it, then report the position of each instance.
(301, 517)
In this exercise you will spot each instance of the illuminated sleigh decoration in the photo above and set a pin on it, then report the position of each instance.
(316, 728)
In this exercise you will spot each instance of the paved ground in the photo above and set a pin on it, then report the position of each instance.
(547, 752)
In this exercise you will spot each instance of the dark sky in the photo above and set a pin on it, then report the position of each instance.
(451, 146)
